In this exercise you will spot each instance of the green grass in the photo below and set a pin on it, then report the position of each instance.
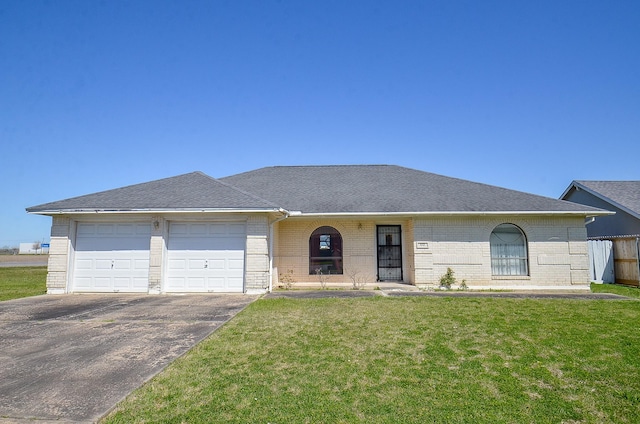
(616, 289)
(16, 282)
(406, 360)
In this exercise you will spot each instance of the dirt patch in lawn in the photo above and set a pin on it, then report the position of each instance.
(24, 260)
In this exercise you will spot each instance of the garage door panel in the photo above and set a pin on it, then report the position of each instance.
(235, 281)
(218, 229)
(102, 264)
(122, 264)
(217, 284)
(102, 282)
(111, 257)
(196, 264)
(177, 283)
(179, 229)
(141, 265)
(177, 264)
(199, 255)
(197, 230)
(121, 283)
(82, 283)
(195, 283)
(140, 284)
(236, 229)
(217, 264)
(82, 264)
(236, 264)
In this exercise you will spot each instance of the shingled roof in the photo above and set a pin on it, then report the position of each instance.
(194, 191)
(386, 189)
(341, 189)
(622, 194)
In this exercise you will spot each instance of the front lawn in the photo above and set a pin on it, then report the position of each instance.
(406, 360)
(16, 282)
(616, 289)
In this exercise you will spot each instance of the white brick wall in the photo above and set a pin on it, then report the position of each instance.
(257, 254)
(358, 245)
(58, 255)
(63, 230)
(557, 250)
(157, 251)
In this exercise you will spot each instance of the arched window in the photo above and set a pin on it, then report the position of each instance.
(508, 251)
(325, 251)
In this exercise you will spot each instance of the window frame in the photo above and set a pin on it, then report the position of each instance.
(510, 259)
(325, 251)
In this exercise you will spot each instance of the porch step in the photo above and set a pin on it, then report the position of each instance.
(383, 285)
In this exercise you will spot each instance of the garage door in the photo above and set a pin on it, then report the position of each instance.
(111, 257)
(206, 257)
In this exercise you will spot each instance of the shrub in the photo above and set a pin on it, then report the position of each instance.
(447, 280)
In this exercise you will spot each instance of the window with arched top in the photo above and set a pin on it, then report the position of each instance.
(325, 251)
(508, 251)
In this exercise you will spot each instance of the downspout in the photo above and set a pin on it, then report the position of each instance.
(285, 214)
(638, 258)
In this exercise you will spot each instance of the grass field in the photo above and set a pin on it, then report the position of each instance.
(16, 282)
(406, 360)
(616, 289)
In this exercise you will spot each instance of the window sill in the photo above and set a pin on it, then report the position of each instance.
(511, 277)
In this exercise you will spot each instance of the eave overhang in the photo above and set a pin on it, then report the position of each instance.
(86, 211)
(586, 214)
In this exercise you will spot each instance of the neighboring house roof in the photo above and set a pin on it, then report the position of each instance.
(194, 191)
(343, 189)
(624, 195)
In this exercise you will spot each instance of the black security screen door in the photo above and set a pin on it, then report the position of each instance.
(389, 253)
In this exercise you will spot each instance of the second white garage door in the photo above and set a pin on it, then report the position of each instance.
(206, 257)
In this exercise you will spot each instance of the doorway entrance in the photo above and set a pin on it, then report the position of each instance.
(389, 253)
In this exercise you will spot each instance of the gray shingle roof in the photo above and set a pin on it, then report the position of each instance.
(189, 191)
(317, 190)
(386, 188)
(621, 193)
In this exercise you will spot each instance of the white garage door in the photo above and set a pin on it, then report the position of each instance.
(206, 257)
(111, 257)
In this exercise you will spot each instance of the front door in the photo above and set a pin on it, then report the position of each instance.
(389, 253)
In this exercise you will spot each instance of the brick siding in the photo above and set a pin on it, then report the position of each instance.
(557, 250)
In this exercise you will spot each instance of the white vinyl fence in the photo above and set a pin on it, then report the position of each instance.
(601, 261)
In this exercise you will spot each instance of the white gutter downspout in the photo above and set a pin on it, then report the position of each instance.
(286, 215)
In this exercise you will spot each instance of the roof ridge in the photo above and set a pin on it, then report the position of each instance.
(239, 190)
(607, 181)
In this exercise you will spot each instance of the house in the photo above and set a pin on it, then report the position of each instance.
(195, 233)
(615, 245)
(621, 197)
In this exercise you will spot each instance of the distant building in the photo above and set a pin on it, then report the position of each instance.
(34, 248)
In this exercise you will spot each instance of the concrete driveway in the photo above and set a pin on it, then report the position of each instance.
(71, 358)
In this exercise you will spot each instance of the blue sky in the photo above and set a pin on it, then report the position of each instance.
(527, 95)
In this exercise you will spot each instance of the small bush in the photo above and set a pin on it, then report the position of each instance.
(322, 278)
(447, 280)
(358, 280)
(286, 279)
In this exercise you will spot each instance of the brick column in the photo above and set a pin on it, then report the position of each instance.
(156, 254)
(58, 273)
